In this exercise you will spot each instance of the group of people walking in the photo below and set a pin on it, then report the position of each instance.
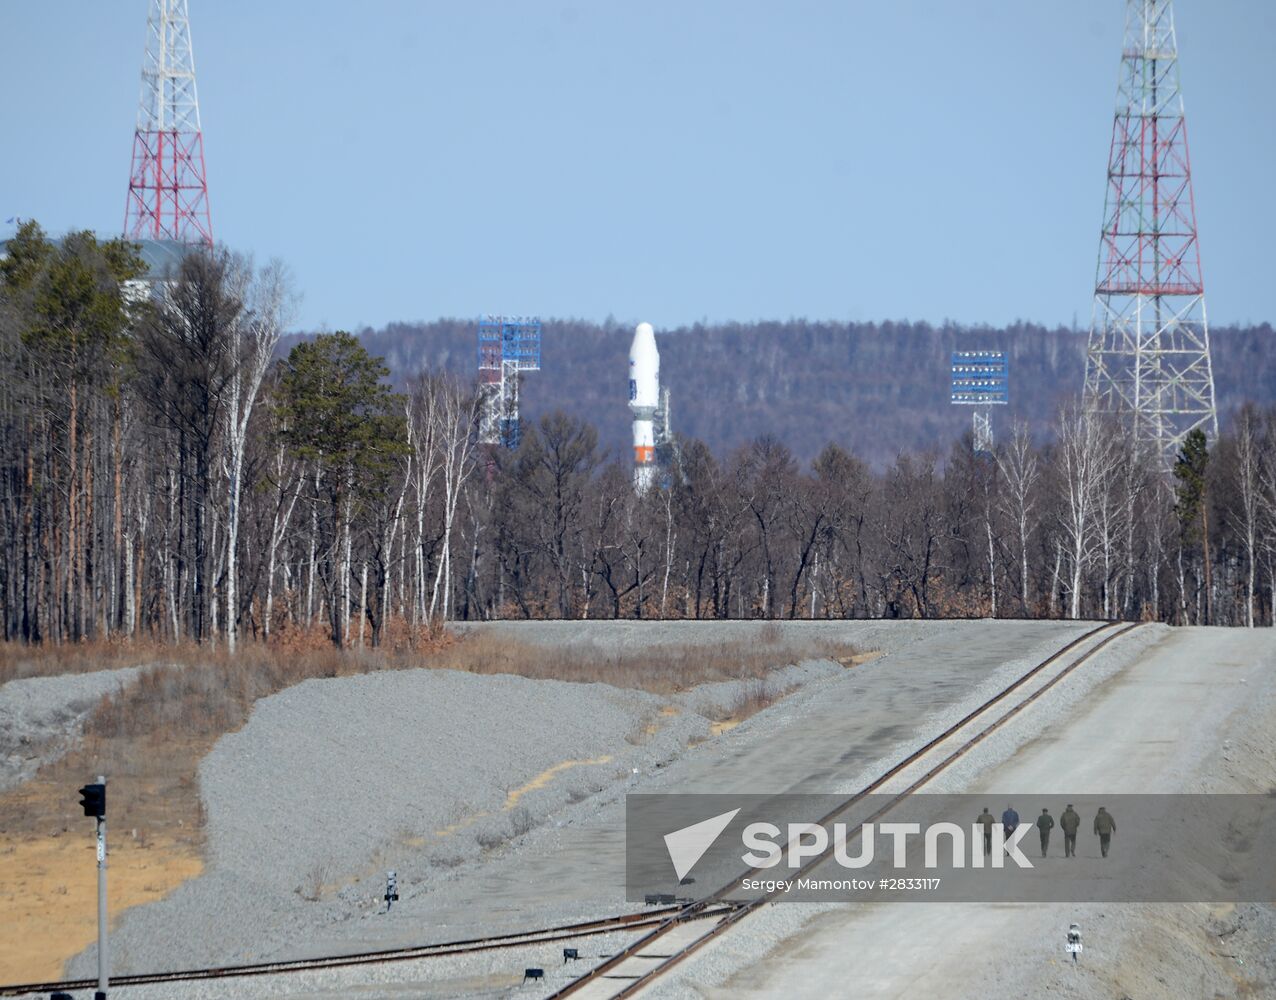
(1069, 822)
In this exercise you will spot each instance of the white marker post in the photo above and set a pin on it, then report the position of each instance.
(1074, 942)
(102, 964)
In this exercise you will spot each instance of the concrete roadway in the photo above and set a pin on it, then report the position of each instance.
(1155, 726)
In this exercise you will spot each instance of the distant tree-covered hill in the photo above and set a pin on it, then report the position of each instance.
(876, 388)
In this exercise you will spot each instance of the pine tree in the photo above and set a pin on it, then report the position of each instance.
(1193, 503)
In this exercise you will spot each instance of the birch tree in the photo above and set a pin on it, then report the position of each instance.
(456, 414)
(1082, 458)
(1020, 473)
(1247, 511)
(264, 304)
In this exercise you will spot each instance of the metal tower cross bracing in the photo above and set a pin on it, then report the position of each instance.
(507, 347)
(1149, 351)
(168, 188)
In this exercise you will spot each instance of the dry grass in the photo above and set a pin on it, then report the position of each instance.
(18, 660)
(755, 696)
(661, 670)
(403, 646)
(521, 821)
(150, 737)
(213, 692)
(314, 884)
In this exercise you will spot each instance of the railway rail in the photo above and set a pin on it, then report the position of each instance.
(935, 756)
(651, 917)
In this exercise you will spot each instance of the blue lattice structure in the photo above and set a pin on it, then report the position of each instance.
(514, 339)
(980, 378)
(507, 347)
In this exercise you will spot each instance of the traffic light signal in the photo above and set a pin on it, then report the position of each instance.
(93, 799)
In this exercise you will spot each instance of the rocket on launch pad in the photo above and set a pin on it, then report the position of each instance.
(644, 398)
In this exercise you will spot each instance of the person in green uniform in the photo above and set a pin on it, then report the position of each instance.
(1045, 823)
(1070, 822)
(986, 821)
(1104, 826)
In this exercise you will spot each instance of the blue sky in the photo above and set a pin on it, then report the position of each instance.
(670, 161)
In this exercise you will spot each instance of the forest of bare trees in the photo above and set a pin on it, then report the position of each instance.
(169, 473)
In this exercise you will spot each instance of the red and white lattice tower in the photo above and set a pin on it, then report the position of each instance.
(1149, 352)
(167, 187)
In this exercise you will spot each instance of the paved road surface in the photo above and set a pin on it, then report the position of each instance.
(1147, 729)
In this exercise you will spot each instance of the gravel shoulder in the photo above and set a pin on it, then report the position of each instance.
(41, 718)
(333, 781)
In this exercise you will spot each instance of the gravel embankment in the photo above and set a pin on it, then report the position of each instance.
(335, 780)
(41, 718)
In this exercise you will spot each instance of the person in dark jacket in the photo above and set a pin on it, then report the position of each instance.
(1104, 826)
(1070, 823)
(1045, 823)
(1010, 821)
(986, 821)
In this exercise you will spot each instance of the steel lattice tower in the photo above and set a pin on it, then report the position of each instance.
(507, 347)
(167, 188)
(1149, 351)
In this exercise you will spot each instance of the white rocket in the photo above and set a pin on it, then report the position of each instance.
(644, 398)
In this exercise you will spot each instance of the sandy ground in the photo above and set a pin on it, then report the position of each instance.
(48, 871)
(48, 894)
(1195, 712)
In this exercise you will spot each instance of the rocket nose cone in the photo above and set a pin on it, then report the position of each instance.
(644, 341)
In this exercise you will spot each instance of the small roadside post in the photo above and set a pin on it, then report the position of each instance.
(93, 799)
(391, 889)
(1074, 942)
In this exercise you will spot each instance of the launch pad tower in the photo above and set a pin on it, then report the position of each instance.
(507, 347)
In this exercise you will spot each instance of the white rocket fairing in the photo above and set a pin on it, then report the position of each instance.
(644, 397)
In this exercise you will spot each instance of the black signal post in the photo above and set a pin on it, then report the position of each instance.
(93, 801)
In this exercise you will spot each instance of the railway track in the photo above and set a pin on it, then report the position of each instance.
(680, 935)
(679, 930)
(652, 917)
